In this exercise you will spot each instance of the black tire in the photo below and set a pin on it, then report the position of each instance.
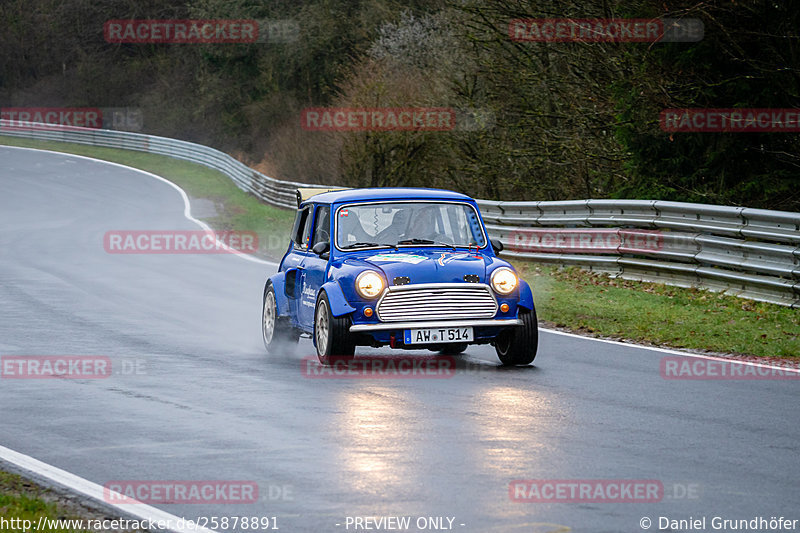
(276, 331)
(453, 349)
(518, 345)
(331, 334)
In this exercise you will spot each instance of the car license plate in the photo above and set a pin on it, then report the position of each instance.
(438, 335)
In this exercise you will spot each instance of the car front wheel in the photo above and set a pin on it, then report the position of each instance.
(275, 330)
(331, 334)
(518, 345)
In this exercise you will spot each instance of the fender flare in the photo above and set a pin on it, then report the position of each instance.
(278, 281)
(339, 304)
(525, 295)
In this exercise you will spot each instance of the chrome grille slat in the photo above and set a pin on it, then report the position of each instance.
(447, 301)
(448, 307)
(414, 297)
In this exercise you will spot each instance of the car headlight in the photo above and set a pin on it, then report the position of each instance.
(504, 281)
(369, 284)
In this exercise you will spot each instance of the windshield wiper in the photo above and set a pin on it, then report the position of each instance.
(426, 241)
(366, 245)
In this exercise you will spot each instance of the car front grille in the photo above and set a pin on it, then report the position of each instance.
(440, 301)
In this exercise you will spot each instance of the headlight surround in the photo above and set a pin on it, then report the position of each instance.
(504, 281)
(369, 284)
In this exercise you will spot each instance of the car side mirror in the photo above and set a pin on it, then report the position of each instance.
(322, 249)
(497, 246)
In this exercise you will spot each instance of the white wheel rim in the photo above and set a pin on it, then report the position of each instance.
(321, 327)
(269, 318)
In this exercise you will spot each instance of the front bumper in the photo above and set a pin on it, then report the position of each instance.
(394, 326)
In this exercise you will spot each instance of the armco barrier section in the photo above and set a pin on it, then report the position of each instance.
(754, 253)
(269, 190)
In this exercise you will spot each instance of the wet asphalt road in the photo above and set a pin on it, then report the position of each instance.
(194, 396)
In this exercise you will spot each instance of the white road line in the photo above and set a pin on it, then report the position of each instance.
(794, 368)
(187, 209)
(96, 492)
(84, 486)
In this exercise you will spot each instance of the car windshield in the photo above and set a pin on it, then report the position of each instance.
(408, 224)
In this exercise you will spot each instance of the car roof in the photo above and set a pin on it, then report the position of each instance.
(386, 193)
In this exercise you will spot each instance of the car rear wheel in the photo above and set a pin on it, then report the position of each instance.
(276, 331)
(518, 345)
(331, 334)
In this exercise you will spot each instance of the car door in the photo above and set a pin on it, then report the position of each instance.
(314, 267)
(293, 262)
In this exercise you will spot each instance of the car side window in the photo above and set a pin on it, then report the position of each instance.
(302, 228)
(322, 225)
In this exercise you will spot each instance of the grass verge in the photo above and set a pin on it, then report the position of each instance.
(597, 304)
(568, 298)
(24, 503)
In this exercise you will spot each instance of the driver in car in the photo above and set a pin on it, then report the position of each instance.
(423, 225)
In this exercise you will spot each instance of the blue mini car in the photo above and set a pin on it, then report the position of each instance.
(400, 267)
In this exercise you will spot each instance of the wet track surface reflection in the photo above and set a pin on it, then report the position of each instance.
(209, 404)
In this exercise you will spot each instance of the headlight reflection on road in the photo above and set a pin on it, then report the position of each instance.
(375, 448)
(513, 426)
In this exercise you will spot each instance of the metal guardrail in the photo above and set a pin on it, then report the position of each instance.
(754, 253)
(276, 192)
